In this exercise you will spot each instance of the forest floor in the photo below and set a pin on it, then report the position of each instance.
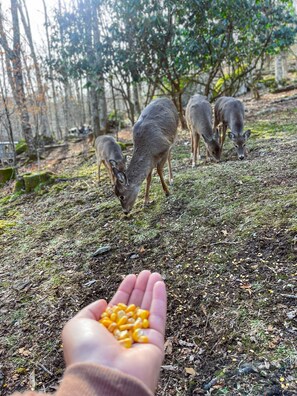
(225, 242)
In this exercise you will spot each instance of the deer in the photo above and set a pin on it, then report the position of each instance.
(229, 112)
(109, 152)
(153, 136)
(199, 121)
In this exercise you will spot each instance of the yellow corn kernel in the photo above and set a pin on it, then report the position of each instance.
(126, 342)
(143, 313)
(120, 314)
(104, 315)
(137, 334)
(130, 314)
(131, 320)
(109, 310)
(123, 320)
(124, 334)
(117, 333)
(113, 317)
(131, 308)
(138, 324)
(122, 306)
(106, 322)
(143, 339)
(145, 324)
(112, 327)
(126, 326)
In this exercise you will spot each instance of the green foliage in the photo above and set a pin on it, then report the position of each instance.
(170, 44)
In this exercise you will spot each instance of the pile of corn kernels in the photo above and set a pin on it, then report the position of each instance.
(126, 323)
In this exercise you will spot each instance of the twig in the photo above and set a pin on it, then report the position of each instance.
(44, 368)
(289, 296)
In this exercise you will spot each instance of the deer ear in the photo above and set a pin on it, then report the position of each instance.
(120, 176)
(231, 135)
(247, 134)
(113, 163)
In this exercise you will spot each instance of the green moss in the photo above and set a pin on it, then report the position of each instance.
(6, 224)
(21, 147)
(19, 185)
(32, 181)
(6, 174)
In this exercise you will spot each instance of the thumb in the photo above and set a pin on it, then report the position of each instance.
(92, 311)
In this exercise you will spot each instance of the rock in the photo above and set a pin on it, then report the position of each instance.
(247, 368)
(21, 147)
(33, 180)
(102, 250)
(6, 174)
(19, 185)
(134, 256)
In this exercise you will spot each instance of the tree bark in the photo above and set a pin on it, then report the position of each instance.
(57, 120)
(40, 99)
(16, 77)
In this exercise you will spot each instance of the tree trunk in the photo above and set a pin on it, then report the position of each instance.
(3, 90)
(136, 99)
(57, 121)
(281, 68)
(95, 111)
(181, 112)
(44, 124)
(102, 107)
(16, 78)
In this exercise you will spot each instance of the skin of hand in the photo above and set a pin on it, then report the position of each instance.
(85, 340)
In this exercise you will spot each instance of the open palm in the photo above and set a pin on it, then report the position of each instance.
(86, 340)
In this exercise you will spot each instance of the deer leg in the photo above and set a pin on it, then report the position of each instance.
(170, 168)
(99, 165)
(224, 128)
(110, 172)
(147, 188)
(195, 148)
(160, 173)
(192, 146)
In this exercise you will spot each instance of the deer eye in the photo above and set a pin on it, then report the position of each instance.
(236, 145)
(122, 197)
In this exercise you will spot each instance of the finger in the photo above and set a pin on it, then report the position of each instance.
(158, 308)
(124, 291)
(148, 294)
(93, 311)
(155, 337)
(139, 289)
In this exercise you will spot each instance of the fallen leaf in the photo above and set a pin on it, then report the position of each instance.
(190, 370)
(24, 352)
(168, 347)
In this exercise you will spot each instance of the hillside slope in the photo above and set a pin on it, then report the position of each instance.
(225, 242)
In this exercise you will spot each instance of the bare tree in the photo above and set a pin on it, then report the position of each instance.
(16, 79)
(51, 74)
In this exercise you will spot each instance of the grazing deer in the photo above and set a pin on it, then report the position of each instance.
(109, 152)
(153, 135)
(199, 120)
(230, 113)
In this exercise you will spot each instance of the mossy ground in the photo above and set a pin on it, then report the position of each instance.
(225, 242)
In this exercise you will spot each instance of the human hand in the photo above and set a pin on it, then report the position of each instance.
(85, 340)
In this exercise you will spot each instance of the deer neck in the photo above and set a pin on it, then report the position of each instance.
(139, 168)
